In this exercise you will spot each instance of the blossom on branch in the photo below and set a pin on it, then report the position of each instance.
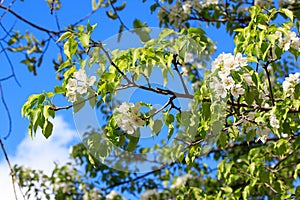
(224, 64)
(290, 83)
(128, 118)
(79, 85)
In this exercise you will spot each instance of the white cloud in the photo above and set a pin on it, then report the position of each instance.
(39, 153)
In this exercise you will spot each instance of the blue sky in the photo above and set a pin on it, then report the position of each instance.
(20, 148)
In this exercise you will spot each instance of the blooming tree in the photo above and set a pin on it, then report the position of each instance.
(243, 111)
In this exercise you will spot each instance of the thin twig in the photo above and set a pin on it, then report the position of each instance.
(12, 173)
(7, 112)
(8, 7)
(29, 22)
(119, 18)
(269, 82)
(10, 64)
(175, 63)
(6, 78)
(162, 108)
(85, 17)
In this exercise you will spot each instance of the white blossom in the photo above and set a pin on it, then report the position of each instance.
(72, 96)
(79, 85)
(80, 75)
(228, 82)
(112, 195)
(181, 181)
(263, 3)
(274, 121)
(290, 82)
(218, 87)
(207, 3)
(82, 89)
(149, 194)
(251, 115)
(72, 85)
(91, 81)
(237, 90)
(240, 60)
(187, 5)
(248, 79)
(285, 2)
(188, 57)
(291, 40)
(128, 118)
(184, 70)
(263, 134)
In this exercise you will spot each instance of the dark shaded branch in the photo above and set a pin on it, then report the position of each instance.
(55, 108)
(138, 177)
(175, 63)
(6, 78)
(131, 82)
(8, 7)
(269, 82)
(85, 17)
(118, 17)
(29, 22)
(7, 112)
(12, 173)
(10, 64)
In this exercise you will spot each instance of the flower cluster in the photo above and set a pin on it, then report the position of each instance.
(286, 2)
(207, 3)
(181, 181)
(289, 84)
(224, 64)
(274, 121)
(113, 195)
(79, 85)
(92, 194)
(263, 3)
(291, 40)
(150, 194)
(187, 7)
(128, 118)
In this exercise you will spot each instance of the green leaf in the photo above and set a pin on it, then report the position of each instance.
(206, 110)
(251, 168)
(92, 99)
(84, 39)
(96, 5)
(157, 126)
(121, 7)
(165, 32)
(133, 142)
(288, 13)
(64, 36)
(112, 15)
(170, 131)
(246, 192)
(70, 47)
(297, 91)
(78, 105)
(59, 90)
(48, 129)
(169, 119)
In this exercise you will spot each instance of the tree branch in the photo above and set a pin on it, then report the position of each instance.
(28, 22)
(175, 63)
(12, 173)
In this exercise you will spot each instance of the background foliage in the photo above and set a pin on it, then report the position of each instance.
(257, 150)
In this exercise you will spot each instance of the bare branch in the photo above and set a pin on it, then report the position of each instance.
(29, 22)
(12, 173)
(10, 64)
(175, 63)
